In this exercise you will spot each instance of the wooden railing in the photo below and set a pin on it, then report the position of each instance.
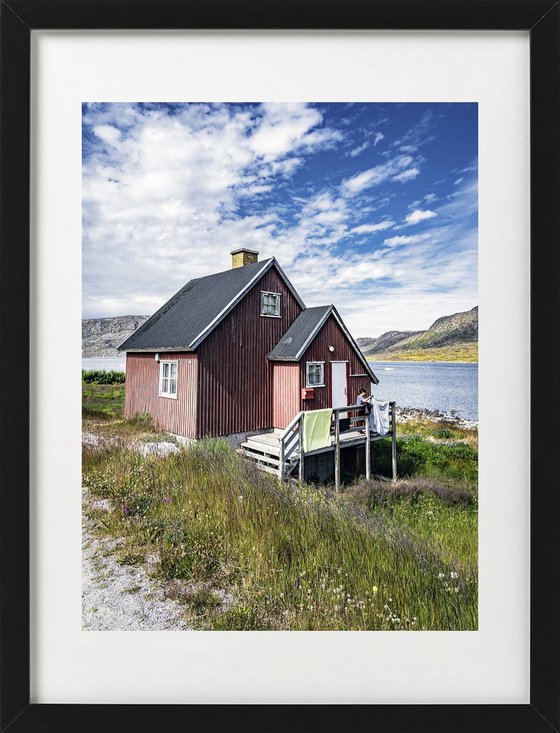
(291, 440)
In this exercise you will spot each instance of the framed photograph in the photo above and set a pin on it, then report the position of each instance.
(280, 289)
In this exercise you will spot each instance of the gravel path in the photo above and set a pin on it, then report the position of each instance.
(118, 597)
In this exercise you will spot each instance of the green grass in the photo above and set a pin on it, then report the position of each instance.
(381, 555)
(452, 461)
(445, 517)
(290, 556)
(102, 401)
(440, 431)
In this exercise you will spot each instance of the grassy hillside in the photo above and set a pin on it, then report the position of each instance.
(241, 550)
(291, 556)
(450, 338)
(467, 352)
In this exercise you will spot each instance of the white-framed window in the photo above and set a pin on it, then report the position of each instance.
(168, 379)
(315, 374)
(270, 304)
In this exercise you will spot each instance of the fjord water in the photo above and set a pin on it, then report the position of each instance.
(105, 363)
(451, 388)
(448, 387)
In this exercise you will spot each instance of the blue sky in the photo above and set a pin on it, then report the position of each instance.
(372, 207)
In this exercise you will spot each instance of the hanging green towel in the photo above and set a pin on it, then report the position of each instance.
(316, 430)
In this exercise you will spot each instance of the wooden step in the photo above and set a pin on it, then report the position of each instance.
(258, 457)
(255, 445)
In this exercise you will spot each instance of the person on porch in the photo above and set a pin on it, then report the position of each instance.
(365, 405)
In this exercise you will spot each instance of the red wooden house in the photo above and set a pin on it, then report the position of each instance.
(238, 352)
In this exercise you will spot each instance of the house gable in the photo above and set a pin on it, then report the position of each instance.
(333, 333)
(199, 307)
(295, 342)
(235, 376)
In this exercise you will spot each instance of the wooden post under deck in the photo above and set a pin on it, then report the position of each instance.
(336, 451)
(301, 457)
(393, 441)
(368, 448)
(281, 461)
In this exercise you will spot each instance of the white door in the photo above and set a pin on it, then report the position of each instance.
(338, 384)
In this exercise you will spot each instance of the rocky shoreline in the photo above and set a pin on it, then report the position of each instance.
(408, 414)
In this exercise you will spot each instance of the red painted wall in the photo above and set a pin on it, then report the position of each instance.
(332, 335)
(234, 375)
(142, 387)
(286, 393)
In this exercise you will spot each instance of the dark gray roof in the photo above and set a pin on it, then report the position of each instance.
(192, 313)
(292, 344)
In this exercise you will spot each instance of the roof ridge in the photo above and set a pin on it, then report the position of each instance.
(233, 269)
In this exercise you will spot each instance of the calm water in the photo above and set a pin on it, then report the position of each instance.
(430, 385)
(107, 364)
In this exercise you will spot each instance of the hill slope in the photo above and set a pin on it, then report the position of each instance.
(385, 341)
(450, 338)
(102, 336)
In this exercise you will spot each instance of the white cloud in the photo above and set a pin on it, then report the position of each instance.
(287, 127)
(468, 169)
(402, 239)
(407, 175)
(418, 215)
(107, 133)
(379, 136)
(371, 228)
(378, 174)
(458, 181)
(359, 149)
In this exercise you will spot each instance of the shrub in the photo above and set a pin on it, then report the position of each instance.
(142, 420)
(99, 376)
(418, 457)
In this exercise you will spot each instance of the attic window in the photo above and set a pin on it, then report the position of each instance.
(168, 379)
(270, 304)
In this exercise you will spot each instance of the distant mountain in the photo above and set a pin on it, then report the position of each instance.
(450, 338)
(385, 341)
(102, 336)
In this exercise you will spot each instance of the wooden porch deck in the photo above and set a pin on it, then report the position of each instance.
(280, 452)
(347, 438)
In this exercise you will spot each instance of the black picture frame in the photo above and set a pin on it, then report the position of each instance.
(541, 19)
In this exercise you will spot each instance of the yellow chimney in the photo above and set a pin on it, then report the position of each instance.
(243, 256)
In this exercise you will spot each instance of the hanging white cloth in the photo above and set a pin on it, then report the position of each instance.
(379, 417)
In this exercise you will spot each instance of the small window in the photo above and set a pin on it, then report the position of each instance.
(168, 379)
(270, 304)
(315, 374)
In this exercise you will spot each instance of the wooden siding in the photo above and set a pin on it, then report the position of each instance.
(142, 391)
(332, 335)
(234, 375)
(286, 393)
